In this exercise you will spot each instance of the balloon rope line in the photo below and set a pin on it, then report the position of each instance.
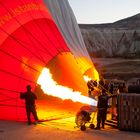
(10, 105)
(10, 98)
(21, 44)
(9, 90)
(19, 61)
(80, 62)
(17, 76)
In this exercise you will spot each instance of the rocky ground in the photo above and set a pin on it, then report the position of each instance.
(118, 68)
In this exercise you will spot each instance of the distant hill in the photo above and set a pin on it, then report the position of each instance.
(118, 39)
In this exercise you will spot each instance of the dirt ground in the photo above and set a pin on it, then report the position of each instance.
(61, 126)
(61, 130)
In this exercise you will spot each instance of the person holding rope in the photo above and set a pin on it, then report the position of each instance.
(30, 98)
(102, 105)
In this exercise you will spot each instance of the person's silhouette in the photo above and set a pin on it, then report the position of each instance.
(30, 98)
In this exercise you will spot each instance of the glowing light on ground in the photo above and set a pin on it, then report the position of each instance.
(50, 87)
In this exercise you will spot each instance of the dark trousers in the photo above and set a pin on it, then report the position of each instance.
(101, 116)
(31, 109)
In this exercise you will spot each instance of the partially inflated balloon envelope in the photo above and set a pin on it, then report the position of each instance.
(30, 42)
(66, 22)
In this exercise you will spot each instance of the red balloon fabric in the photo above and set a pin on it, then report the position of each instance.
(29, 39)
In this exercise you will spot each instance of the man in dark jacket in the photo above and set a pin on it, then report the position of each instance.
(30, 98)
(102, 106)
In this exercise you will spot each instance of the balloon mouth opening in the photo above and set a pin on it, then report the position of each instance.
(51, 87)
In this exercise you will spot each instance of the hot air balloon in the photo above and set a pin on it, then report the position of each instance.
(29, 42)
(65, 20)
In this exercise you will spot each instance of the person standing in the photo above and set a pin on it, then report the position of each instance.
(30, 98)
(102, 106)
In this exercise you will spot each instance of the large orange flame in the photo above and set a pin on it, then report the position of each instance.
(50, 87)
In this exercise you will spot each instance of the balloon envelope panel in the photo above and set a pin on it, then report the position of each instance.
(29, 40)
